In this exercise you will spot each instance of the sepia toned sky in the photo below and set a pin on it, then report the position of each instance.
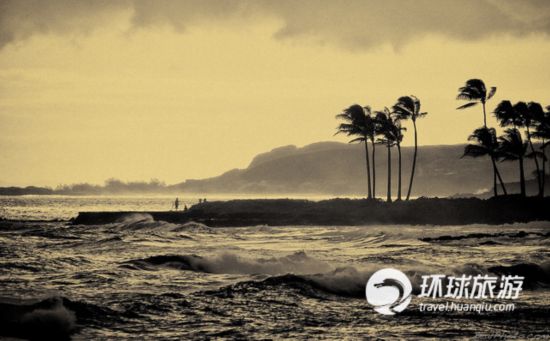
(176, 90)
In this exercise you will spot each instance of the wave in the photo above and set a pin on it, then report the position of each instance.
(193, 227)
(298, 270)
(185, 262)
(146, 222)
(229, 263)
(138, 221)
(314, 278)
(46, 319)
(51, 318)
(301, 263)
(535, 275)
(345, 282)
(511, 235)
(350, 283)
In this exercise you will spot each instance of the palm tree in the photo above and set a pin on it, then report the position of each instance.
(542, 132)
(512, 147)
(370, 134)
(486, 144)
(535, 115)
(388, 130)
(524, 115)
(358, 122)
(396, 133)
(474, 91)
(408, 107)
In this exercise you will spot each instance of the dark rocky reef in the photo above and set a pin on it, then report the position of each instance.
(279, 212)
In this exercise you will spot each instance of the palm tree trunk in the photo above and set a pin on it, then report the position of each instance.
(521, 177)
(497, 173)
(543, 169)
(484, 115)
(399, 172)
(369, 195)
(543, 180)
(373, 169)
(389, 174)
(495, 190)
(414, 161)
(501, 182)
(536, 160)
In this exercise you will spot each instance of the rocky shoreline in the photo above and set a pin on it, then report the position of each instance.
(281, 212)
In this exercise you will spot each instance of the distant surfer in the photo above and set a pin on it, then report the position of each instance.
(177, 204)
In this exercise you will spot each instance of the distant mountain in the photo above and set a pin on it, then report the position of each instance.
(339, 169)
(327, 168)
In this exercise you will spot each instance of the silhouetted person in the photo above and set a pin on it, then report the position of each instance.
(204, 200)
(177, 204)
(184, 208)
(200, 201)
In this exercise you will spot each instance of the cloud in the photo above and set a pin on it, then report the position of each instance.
(353, 24)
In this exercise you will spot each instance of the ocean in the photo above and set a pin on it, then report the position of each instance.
(142, 279)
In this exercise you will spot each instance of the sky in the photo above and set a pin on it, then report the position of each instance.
(178, 90)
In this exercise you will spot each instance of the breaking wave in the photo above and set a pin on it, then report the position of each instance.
(299, 270)
(343, 282)
(229, 263)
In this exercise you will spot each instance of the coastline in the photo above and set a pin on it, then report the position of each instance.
(284, 212)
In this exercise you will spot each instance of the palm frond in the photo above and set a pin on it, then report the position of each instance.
(467, 105)
(357, 139)
(354, 121)
(473, 90)
(491, 92)
(506, 114)
(473, 150)
(536, 112)
(368, 110)
(511, 145)
(522, 111)
(467, 96)
(407, 107)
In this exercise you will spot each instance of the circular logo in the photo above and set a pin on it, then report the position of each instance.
(388, 291)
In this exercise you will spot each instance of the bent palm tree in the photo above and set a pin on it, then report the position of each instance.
(512, 147)
(408, 107)
(388, 131)
(486, 144)
(358, 122)
(474, 91)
